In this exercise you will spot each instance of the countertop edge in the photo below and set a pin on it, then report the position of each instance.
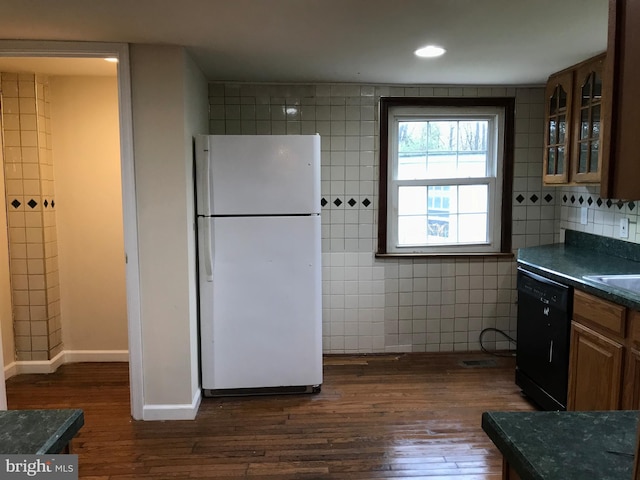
(509, 451)
(611, 294)
(64, 434)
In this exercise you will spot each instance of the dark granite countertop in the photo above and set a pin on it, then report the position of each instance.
(565, 445)
(37, 432)
(584, 254)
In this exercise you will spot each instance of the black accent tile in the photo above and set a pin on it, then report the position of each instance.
(631, 205)
(548, 197)
(599, 202)
(352, 202)
(533, 198)
(45, 203)
(366, 202)
(620, 204)
(609, 203)
(564, 199)
(53, 203)
(573, 199)
(581, 200)
(519, 198)
(337, 202)
(32, 203)
(323, 202)
(16, 203)
(590, 201)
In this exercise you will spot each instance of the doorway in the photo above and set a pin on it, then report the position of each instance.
(52, 50)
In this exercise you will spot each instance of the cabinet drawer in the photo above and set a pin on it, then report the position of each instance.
(599, 313)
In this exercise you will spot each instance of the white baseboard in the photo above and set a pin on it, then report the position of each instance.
(10, 370)
(77, 356)
(173, 411)
(149, 412)
(66, 356)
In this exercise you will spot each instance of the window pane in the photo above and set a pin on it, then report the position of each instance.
(562, 102)
(443, 214)
(560, 167)
(438, 149)
(551, 165)
(473, 198)
(586, 91)
(595, 121)
(412, 230)
(472, 228)
(593, 160)
(412, 201)
(562, 128)
(584, 123)
(443, 136)
(553, 138)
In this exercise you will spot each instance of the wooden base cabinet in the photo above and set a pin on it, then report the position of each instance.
(604, 355)
(595, 370)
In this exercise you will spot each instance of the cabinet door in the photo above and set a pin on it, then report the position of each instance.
(557, 135)
(595, 370)
(631, 389)
(622, 77)
(586, 156)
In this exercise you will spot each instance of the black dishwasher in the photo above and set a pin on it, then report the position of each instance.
(542, 352)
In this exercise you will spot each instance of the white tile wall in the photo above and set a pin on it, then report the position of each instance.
(32, 233)
(603, 215)
(395, 305)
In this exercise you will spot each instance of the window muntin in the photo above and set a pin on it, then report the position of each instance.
(444, 173)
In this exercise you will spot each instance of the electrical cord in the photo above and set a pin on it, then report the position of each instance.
(491, 329)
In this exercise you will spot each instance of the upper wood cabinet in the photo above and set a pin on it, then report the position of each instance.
(621, 169)
(559, 100)
(573, 124)
(586, 158)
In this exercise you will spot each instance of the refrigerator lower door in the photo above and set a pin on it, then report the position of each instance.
(261, 315)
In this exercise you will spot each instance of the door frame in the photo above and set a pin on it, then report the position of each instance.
(29, 48)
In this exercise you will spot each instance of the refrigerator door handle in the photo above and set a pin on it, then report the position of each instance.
(203, 176)
(208, 250)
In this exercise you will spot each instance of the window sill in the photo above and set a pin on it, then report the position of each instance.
(446, 255)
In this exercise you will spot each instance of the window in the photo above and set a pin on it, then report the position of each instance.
(445, 175)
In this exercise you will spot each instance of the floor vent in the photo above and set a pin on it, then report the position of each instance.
(478, 363)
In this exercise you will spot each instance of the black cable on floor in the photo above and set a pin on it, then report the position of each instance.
(491, 329)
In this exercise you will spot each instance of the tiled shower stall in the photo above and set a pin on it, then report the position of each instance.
(30, 200)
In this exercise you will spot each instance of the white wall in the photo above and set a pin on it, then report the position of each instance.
(163, 99)
(196, 122)
(86, 158)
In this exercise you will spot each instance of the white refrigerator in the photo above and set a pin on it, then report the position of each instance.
(259, 254)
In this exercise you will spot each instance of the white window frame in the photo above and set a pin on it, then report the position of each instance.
(494, 177)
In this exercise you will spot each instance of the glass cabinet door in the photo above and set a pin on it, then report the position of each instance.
(557, 135)
(587, 157)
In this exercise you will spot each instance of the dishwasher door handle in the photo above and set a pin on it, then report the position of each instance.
(551, 352)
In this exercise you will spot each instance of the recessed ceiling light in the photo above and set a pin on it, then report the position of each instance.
(430, 51)
(111, 59)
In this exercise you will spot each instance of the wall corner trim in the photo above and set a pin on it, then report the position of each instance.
(183, 411)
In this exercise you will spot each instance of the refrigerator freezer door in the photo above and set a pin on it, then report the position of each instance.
(258, 174)
(261, 317)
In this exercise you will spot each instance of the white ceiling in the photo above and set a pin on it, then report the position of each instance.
(365, 41)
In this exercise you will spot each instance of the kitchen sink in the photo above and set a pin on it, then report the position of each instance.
(630, 283)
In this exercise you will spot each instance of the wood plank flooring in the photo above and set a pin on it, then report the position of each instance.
(407, 416)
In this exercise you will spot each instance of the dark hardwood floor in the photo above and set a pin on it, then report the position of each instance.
(407, 416)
